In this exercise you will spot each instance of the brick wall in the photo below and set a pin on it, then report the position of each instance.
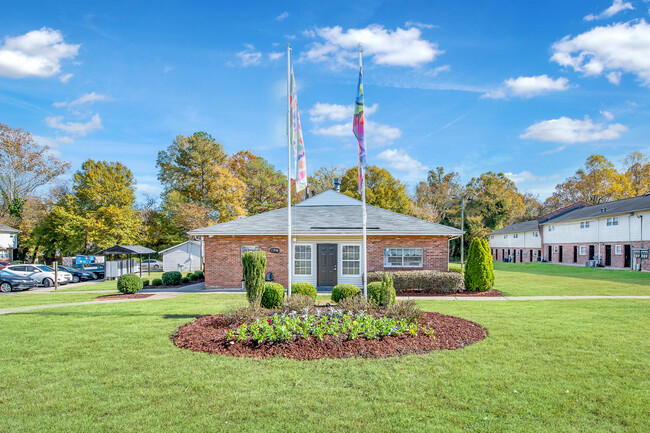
(223, 255)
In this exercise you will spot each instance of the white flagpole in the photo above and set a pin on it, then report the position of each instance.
(363, 199)
(289, 252)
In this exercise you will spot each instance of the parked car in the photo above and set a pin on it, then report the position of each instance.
(78, 275)
(12, 282)
(4, 264)
(97, 269)
(43, 275)
(151, 264)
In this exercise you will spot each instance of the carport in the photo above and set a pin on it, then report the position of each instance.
(129, 250)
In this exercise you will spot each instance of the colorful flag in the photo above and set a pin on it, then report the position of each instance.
(358, 124)
(297, 144)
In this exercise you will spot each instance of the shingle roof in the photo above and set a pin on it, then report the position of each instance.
(618, 207)
(526, 226)
(7, 229)
(126, 249)
(195, 243)
(328, 212)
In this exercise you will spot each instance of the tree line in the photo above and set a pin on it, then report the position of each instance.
(203, 185)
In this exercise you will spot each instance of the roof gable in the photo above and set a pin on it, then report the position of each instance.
(330, 198)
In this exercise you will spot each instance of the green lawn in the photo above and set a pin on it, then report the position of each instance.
(540, 279)
(109, 284)
(24, 299)
(551, 366)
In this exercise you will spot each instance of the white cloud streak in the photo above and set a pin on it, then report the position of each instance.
(336, 112)
(375, 132)
(35, 54)
(615, 8)
(83, 99)
(526, 176)
(79, 129)
(527, 87)
(401, 47)
(249, 57)
(282, 16)
(614, 49)
(398, 159)
(570, 131)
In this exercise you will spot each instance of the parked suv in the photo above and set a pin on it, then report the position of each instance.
(97, 269)
(78, 275)
(43, 275)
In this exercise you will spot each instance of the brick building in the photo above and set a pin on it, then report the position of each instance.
(614, 234)
(326, 241)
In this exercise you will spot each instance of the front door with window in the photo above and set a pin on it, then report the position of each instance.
(327, 259)
(575, 254)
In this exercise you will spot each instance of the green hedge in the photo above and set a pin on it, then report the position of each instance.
(374, 291)
(129, 283)
(342, 291)
(193, 276)
(273, 295)
(145, 282)
(422, 281)
(185, 280)
(156, 282)
(382, 292)
(304, 288)
(199, 273)
(172, 278)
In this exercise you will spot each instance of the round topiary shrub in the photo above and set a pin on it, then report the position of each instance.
(156, 282)
(374, 291)
(145, 282)
(172, 278)
(199, 273)
(129, 283)
(304, 288)
(273, 295)
(342, 291)
(193, 277)
(185, 280)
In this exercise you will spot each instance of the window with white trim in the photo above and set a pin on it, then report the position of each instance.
(515, 236)
(350, 259)
(403, 257)
(505, 236)
(555, 249)
(617, 250)
(613, 221)
(551, 228)
(535, 234)
(302, 259)
(584, 224)
(4, 254)
(583, 250)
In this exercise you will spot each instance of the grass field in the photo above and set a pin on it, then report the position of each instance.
(541, 279)
(26, 298)
(546, 366)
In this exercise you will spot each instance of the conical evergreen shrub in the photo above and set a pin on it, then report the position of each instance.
(254, 264)
(478, 274)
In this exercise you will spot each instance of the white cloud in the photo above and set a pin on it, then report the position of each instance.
(35, 54)
(377, 133)
(250, 57)
(282, 16)
(83, 99)
(615, 8)
(609, 116)
(148, 189)
(570, 131)
(75, 128)
(336, 112)
(401, 47)
(618, 48)
(527, 87)
(399, 160)
(64, 78)
(276, 55)
(419, 25)
(527, 176)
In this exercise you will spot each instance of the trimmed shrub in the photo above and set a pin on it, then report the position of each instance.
(145, 282)
(304, 288)
(172, 278)
(387, 292)
(273, 295)
(254, 263)
(199, 273)
(356, 304)
(489, 262)
(129, 283)
(193, 277)
(185, 280)
(342, 291)
(422, 281)
(479, 275)
(374, 291)
(405, 310)
(156, 282)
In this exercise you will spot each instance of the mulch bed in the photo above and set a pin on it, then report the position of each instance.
(206, 334)
(123, 296)
(415, 293)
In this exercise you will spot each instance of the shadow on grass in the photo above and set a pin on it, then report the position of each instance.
(182, 316)
(106, 314)
(562, 271)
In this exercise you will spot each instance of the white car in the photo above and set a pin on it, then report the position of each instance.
(151, 264)
(43, 275)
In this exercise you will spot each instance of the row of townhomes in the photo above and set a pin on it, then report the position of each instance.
(326, 241)
(614, 234)
(8, 242)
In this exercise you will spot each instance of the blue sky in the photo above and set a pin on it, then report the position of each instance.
(526, 88)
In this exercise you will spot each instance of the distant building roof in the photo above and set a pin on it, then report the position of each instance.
(126, 249)
(195, 243)
(7, 229)
(526, 226)
(329, 212)
(618, 207)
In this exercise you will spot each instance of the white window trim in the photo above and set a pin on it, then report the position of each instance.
(311, 260)
(340, 260)
(618, 250)
(583, 250)
(402, 266)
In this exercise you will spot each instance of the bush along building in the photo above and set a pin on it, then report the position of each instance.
(614, 234)
(326, 242)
